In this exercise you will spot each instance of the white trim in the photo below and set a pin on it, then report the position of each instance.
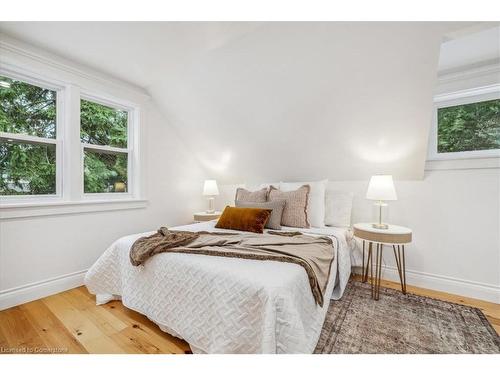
(30, 77)
(474, 95)
(106, 149)
(468, 96)
(108, 101)
(69, 148)
(461, 287)
(35, 79)
(132, 110)
(487, 292)
(23, 138)
(469, 72)
(30, 292)
(463, 164)
(58, 207)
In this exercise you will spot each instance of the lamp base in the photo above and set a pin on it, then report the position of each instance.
(380, 226)
(211, 207)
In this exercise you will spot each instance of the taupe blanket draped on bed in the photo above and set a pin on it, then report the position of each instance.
(314, 254)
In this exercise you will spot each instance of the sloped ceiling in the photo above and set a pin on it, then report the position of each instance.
(271, 101)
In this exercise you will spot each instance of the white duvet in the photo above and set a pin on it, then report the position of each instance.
(222, 305)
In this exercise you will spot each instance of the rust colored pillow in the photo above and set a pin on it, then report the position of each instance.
(243, 218)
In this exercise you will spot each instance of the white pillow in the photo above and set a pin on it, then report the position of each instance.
(269, 184)
(316, 201)
(338, 207)
(254, 187)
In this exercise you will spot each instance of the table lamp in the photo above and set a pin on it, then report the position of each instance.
(210, 190)
(381, 189)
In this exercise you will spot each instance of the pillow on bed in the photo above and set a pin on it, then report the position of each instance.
(245, 219)
(295, 211)
(245, 195)
(338, 207)
(276, 206)
(316, 200)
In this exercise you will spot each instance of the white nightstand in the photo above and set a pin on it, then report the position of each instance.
(395, 236)
(204, 216)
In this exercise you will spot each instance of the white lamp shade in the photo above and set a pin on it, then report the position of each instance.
(210, 188)
(381, 188)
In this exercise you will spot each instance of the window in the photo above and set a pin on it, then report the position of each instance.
(52, 154)
(467, 125)
(104, 137)
(66, 145)
(28, 145)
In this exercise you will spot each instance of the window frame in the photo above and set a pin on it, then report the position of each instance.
(30, 139)
(70, 194)
(469, 96)
(132, 119)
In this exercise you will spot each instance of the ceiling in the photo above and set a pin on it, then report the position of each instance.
(141, 53)
(273, 100)
(136, 52)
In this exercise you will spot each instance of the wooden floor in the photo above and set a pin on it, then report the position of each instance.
(70, 322)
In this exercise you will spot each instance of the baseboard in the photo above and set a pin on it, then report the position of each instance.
(30, 292)
(466, 288)
(26, 293)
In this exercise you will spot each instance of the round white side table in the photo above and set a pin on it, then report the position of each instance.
(204, 216)
(395, 236)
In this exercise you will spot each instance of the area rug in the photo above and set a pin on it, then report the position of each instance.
(398, 323)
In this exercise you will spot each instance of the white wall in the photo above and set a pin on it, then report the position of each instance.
(36, 250)
(341, 99)
(47, 254)
(454, 215)
(250, 117)
(354, 94)
(455, 218)
(454, 212)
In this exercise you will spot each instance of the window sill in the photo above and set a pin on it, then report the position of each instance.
(34, 209)
(462, 163)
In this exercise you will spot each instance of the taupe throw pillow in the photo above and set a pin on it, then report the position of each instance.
(277, 206)
(295, 211)
(244, 195)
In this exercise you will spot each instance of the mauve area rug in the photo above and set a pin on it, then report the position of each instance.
(398, 323)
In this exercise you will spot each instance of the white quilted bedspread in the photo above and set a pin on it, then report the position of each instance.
(221, 305)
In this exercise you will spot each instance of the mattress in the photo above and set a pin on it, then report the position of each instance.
(222, 305)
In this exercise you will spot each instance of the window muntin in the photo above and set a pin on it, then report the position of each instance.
(469, 127)
(104, 137)
(28, 131)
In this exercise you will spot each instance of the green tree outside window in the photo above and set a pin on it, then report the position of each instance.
(469, 127)
(27, 168)
(104, 172)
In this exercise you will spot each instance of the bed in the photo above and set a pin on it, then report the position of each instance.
(223, 305)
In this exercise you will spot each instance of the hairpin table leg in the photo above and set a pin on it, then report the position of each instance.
(404, 270)
(400, 263)
(378, 271)
(370, 260)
